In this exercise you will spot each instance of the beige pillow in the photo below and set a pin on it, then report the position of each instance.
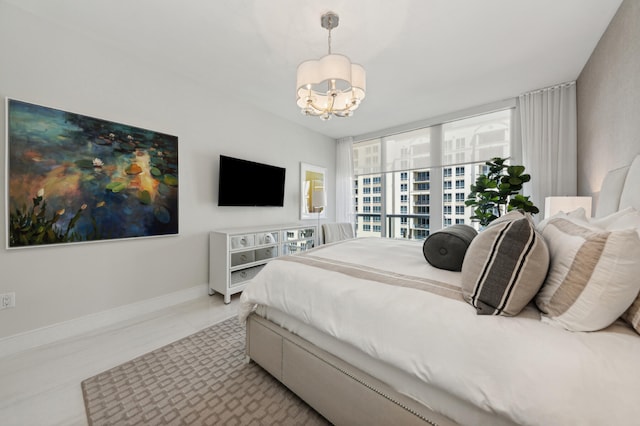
(504, 266)
(594, 274)
(632, 315)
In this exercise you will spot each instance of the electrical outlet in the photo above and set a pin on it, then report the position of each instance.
(7, 300)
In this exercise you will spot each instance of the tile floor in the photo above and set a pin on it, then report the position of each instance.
(41, 386)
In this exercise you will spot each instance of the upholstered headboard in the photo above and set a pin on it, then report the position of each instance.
(620, 189)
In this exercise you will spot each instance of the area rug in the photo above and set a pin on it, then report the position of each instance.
(203, 379)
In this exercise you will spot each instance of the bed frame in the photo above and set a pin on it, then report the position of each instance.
(344, 394)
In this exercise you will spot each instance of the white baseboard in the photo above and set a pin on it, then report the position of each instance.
(63, 330)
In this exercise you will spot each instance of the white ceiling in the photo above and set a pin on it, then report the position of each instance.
(423, 58)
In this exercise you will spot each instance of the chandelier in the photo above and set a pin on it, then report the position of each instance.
(331, 85)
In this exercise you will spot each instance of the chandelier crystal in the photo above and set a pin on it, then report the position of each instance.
(331, 85)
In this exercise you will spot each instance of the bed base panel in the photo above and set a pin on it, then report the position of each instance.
(342, 393)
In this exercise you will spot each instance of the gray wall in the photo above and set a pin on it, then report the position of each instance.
(608, 94)
(43, 63)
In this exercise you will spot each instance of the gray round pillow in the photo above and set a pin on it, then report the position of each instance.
(445, 249)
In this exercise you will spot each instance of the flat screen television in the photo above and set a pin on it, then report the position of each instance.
(247, 183)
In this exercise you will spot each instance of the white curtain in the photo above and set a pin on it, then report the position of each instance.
(345, 208)
(549, 141)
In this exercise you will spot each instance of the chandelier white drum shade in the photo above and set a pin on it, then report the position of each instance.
(331, 85)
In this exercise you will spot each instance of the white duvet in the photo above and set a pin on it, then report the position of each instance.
(516, 367)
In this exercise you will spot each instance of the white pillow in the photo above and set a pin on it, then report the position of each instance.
(611, 220)
(594, 274)
(577, 214)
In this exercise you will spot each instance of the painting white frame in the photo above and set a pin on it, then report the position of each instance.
(312, 178)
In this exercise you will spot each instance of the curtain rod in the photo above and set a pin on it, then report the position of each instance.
(555, 86)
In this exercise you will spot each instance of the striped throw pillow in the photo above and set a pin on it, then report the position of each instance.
(594, 274)
(505, 266)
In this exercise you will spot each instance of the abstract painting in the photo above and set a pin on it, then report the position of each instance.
(73, 178)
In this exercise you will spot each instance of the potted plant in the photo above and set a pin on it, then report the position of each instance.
(498, 192)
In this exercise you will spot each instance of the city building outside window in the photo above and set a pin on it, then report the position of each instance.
(402, 165)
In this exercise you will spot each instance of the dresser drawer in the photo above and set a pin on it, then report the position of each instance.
(243, 257)
(266, 238)
(241, 241)
(266, 253)
(239, 277)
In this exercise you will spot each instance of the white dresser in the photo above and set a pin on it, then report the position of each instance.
(237, 254)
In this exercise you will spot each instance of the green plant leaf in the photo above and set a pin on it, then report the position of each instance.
(116, 187)
(170, 180)
(144, 197)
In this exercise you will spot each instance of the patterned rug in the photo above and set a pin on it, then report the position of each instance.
(203, 379)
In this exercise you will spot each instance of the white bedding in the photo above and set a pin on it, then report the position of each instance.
(519, 368)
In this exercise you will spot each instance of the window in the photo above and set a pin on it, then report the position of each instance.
(376, 218)
(420, 234)
(459, 221)
(366, 190)
(422, 176)
(422, 222)
(455, 151)
(366, 218)
(377, 228)
(366, 199)
(366, 209)
(377, 209)
(366, 227)
(446, 209)
(423, 199)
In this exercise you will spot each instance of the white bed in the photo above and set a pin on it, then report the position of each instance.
(367, 332)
